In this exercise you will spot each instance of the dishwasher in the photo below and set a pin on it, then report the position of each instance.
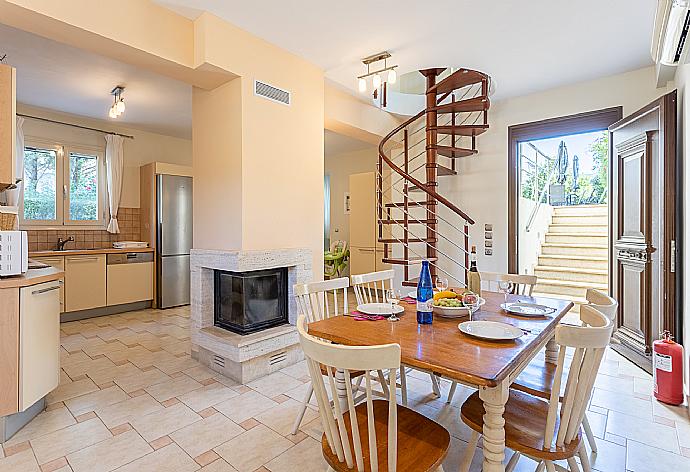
(129, 278)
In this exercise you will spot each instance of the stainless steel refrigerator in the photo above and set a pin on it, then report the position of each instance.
(174, 239)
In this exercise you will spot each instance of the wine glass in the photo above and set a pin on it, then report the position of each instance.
(505, 287)
(471, 302)
(441, 284)
(393, 297)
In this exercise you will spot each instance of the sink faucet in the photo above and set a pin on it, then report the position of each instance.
(61, 243)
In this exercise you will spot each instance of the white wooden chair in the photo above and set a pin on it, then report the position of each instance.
(376, 434)
(371, 288)
(549, 430)
(522, 285)
(602, 302)
(318, 301)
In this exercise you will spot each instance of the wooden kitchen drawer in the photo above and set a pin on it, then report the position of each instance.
(59, 263)
(85, 282)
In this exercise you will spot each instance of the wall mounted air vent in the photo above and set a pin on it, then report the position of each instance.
(272, 93)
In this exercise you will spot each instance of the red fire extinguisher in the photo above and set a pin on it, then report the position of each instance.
(668, 370)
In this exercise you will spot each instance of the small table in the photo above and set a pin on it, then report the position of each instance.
(441, 348)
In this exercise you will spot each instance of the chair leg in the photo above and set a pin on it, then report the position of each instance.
(469, 452)
(358, 385)
(590, 435)
(572, 464)
(403, 385)
(303, 410)
(584, 459)
(382, 381)
(550, 467)
(451, 393)
(540, 467)
(434, 384)
(513, 461)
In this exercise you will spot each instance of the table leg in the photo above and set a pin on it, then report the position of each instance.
(494, 434)
(340, 389)
(551, 352)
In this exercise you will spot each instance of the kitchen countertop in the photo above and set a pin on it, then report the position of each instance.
(32, 277)
(82, 252)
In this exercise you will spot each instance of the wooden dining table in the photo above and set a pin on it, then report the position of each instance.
(441, 348)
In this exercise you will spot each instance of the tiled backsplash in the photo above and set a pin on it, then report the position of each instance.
(46, 239)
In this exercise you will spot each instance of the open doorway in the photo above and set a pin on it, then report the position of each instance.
(559, 214)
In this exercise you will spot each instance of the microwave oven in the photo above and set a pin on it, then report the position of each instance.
(14, 253)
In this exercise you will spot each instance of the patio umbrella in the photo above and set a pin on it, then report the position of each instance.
(562, 162)
(576, 171)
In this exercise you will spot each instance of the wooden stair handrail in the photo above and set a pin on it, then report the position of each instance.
(411, 179)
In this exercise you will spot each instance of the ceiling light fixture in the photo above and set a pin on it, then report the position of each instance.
(118, 106)
(377, 79)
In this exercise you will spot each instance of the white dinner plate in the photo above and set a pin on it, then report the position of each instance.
(527, 309)
(381, 309)
(491, 330)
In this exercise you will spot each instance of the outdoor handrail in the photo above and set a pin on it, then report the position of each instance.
(554, 168)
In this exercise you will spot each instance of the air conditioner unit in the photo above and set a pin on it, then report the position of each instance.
(669, 48)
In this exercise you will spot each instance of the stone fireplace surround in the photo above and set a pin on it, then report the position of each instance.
(248, 357)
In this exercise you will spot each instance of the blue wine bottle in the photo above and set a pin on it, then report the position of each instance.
(425, 296)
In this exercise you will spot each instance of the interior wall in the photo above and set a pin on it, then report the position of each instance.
(144, 148)
(340, 167)
(481, 186)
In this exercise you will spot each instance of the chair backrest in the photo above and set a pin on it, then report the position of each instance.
(522, 284)
(602, 302)
(371, 287)
(589, 342)
(319, 300)
(335, 357)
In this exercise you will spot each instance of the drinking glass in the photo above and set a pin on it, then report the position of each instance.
(471, 302)
(505, 287)
(441, 284)
(393, 297)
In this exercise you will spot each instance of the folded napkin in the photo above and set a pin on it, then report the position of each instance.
(358, 316)
(409, 300)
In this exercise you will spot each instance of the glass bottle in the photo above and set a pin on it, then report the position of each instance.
(425, 296)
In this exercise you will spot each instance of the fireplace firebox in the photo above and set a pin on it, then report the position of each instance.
(246, 302)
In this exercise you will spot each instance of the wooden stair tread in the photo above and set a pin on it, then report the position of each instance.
(443, 170)
(453, 152)
(408, 261)
(410, 283)
(460, 130)
(458, 79)
(469, 105)
(422, 443)
(525, 422)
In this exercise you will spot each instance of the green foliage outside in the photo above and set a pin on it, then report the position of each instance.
(591, 188)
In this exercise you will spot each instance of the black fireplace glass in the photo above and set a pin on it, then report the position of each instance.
(246, 302)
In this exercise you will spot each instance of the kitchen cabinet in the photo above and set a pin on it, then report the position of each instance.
(39, 342)
(366, 253)
(8, 125)
(59, 263)
(85, 282)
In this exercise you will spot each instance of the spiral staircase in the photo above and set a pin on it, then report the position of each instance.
(415, 221)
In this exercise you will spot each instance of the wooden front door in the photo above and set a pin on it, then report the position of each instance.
(643, 161)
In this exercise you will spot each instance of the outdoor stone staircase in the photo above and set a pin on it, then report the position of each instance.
(574, 256)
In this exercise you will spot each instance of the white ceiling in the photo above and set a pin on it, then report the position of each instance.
(526, 46)
(60, 77)
(335, 143)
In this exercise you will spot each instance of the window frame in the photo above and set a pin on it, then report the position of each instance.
(62, 190)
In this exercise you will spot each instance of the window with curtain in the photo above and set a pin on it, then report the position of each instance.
(63, 185)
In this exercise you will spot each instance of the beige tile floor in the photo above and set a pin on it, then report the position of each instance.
(131, 398)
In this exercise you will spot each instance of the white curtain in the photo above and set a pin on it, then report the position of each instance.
(15, 196)
(114, 162)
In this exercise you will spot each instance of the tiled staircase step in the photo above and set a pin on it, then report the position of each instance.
(581, 219)
(560, 287)
(574, 261)
(595, 250)
(581, 210)
(579, 228)
(589, 238)
(570, 274)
